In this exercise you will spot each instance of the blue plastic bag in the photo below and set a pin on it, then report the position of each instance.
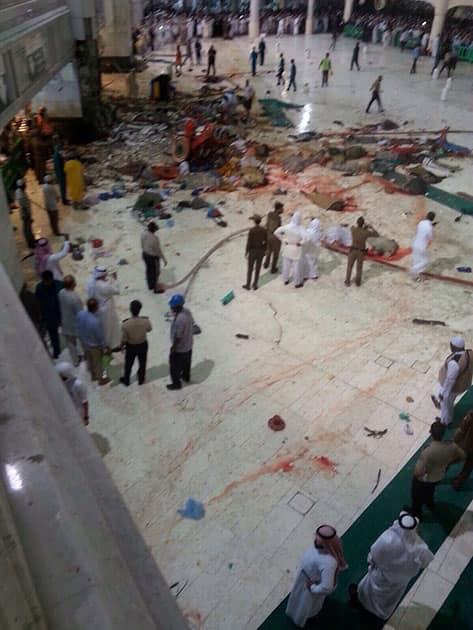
(193, 509)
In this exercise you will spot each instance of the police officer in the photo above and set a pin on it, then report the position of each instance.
(134, 330)
(359, 235)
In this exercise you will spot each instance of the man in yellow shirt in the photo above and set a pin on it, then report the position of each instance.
(326, 66)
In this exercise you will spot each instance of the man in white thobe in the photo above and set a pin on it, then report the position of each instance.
(76, 388)
(316, 576)
(311, 249)
(455, 377)
(292, 237)
(394, 559)
(103, 289)
(420, 246)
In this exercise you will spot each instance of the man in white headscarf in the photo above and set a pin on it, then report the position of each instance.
(316, 576)
(455, 377)
(76, 388)
(292, 237)
(311, 249)
(394, 559)
(103, 289)
(420, 246)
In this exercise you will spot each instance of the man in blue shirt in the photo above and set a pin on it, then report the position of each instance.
(415, 57)
(47, 296)
(91, 335)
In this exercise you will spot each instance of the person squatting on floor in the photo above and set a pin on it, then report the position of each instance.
(455, 377)
(316, 576)
(431, 467)
(76, 389)
(292, 237)
(255, 251)
(134, 342)
(359, 234)
(180, 354)
(394, 559)
(273, 247)
(152, 255)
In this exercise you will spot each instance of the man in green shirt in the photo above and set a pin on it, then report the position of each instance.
(326, 66)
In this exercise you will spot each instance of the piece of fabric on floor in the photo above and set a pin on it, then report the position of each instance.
(337, 614)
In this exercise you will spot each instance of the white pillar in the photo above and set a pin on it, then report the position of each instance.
(254, 19)
(309, 22)
(348, 8)
(440, 12)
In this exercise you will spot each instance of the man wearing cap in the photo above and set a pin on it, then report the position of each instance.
(455, 377)
(273, 221)
(152, 255)
(255, 249)
(359, 235)
(431, 467)
(134, 342)
(51, 198)
(316, 576)
(394, 559)
(24, 204)
(76, 388)
(180, 354)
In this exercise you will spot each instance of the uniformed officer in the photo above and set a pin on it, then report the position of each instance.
(134, 330)
(273, 221)
(255, 250)
(359, 234)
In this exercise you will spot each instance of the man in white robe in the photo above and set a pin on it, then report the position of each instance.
(292, 238)
(311, 249)
(420, 246)
(455, 377)
(316, 576)
(103, 289)
(394, 559)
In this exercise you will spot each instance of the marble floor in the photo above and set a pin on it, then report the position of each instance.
(329, 359)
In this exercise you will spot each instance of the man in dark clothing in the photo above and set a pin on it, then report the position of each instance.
(211, 56)
(359, 234)
(180, 355)
(255, 249)
(281, 67)
(375, 92)
(261, 50)
(253, 60)
(431, 467)
(152, 255)
(292, 76)
(198, 51)
(134, 331)
(464, 438)
(47, 295)
(354, 57)
(273, 247)
(24, 204)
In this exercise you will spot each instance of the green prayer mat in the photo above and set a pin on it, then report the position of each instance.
(274, 110)
(457, 610)
(378, 516)
(465, 206)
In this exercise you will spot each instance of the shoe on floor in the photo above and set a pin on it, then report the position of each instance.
(104, 381)
(245, 286)
(123, 382)
(173, 387)
(347, 283)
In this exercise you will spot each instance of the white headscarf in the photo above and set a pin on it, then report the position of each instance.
(400, 552)
(295, 219)
(314, 231)
(98, 272)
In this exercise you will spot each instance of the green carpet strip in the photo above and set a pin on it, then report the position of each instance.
(457, 610)
(465, 206)
(450, 505)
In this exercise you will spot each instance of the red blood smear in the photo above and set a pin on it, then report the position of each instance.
(325, 463)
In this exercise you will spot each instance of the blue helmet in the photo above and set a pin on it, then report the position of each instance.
(176, 300)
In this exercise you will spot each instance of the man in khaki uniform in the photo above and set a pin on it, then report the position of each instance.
(431, 467)
(134, 330)
(359, 234)
(255, 249)
(455, 377)
(273, 221)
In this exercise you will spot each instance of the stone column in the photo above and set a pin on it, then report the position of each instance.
(309, 22)
(440, 13)
(254, 19)
(347, 10)
(8, 252)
